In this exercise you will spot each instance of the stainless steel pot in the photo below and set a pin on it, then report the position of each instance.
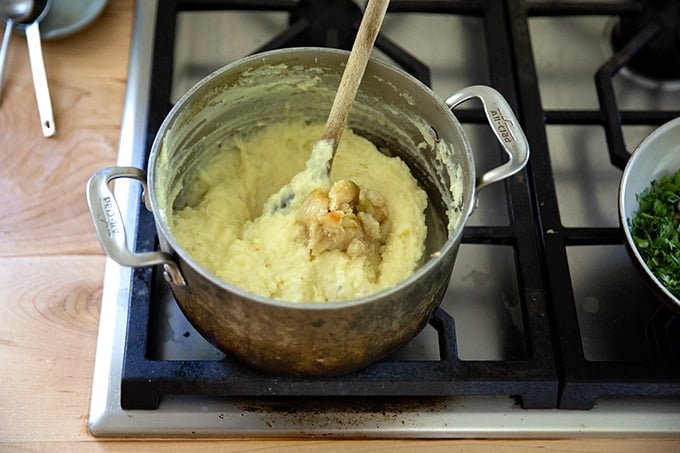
(394, 111)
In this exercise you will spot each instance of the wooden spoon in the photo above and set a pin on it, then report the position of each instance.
(354, 71)
(317, 171)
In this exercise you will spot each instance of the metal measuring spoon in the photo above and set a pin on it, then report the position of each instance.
(14, 11)
(30, 24)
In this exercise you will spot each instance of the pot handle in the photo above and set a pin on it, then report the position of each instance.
(505, 126)
(109, 226)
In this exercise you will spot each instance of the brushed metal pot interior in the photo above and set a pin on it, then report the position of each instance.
(395, 112)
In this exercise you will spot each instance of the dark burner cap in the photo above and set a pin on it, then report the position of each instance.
(659, 59)
(332, 23)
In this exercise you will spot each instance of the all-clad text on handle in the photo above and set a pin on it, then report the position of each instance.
(110, 229)
(504, 125)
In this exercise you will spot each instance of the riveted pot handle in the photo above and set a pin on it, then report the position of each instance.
(505, 126)
(109, 226)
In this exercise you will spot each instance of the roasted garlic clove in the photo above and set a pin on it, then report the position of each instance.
(348, 218)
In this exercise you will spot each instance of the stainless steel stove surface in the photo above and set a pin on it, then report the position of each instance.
(546, 330)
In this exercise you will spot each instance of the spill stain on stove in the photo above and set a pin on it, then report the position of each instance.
(343, 412)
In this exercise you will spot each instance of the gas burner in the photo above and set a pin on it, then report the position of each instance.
(334, 23)
(329, 23)
(653, 39)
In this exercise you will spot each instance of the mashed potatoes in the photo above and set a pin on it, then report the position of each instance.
(265, 252)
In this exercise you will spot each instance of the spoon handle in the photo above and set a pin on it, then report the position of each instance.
(42, 91)
(9, 25)
(354, 71)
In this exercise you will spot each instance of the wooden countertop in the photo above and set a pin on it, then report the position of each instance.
(51, 265)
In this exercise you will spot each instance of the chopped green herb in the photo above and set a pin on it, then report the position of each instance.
(655, 228)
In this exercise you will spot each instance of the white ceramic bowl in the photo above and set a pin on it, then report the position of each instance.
(656, 156)
(66, 17)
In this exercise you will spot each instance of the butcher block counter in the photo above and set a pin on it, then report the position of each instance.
(51, 265)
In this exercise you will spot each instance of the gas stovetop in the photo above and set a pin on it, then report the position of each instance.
(546, 329)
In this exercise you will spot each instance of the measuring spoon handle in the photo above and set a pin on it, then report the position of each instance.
(42, 91)
(9, 25)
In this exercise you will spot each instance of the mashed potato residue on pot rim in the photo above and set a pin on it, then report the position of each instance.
(224, 229)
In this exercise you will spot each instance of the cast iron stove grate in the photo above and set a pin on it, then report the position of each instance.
(582, 381)
(554, 372)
